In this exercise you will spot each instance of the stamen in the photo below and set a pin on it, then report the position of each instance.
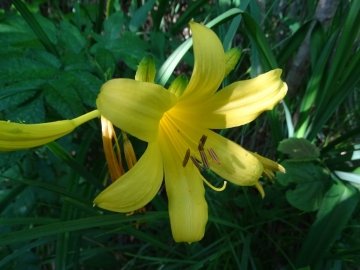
(202, 152)
(214, 156)
(204, 159)
(203, 139)
(215, 188)
(186, 158)
(196, 163)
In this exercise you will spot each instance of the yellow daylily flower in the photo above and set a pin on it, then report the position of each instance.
(176, 125)
(15, 136)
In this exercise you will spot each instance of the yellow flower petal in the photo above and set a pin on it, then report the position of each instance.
(14, 136)
(209, 66)
(135, 107)
(239, 103)
(236, 164)
(186, 194)
(137, 187)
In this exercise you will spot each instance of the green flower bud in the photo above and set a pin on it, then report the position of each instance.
(179, 85)
(232, 57)
(146, 70)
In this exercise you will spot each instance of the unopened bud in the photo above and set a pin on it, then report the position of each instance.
(179, 85)
(232, 57)
(146, 70)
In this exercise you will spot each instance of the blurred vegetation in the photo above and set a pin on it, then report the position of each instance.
(54, 57)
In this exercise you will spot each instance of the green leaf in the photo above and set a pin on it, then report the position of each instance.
(310, 183)
(86, 85)
(24, 249)
(299, 149)
(74, 225)
(19, 69)
(47, 37)
(113, 26)
(106, 61)
(76, 166)
(293, 43)
(31, 112)
(307, 196)
(43, 57)
(71, 38)
(140, 15)
(120, 49)
(17, 93)
(60, 95)
(258, 39)
(317, 43)
(338, 205)
(10, 158)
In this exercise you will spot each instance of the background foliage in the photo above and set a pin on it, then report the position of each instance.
(54, 57)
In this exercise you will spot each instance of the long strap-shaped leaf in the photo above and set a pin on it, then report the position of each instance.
(74, 225)
(35, 26)
(339, 203)
(76, 166)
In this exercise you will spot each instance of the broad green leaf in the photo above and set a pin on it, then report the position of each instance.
(120, 48)
(106, 61)
(10, 158)
(113, 26)
(299, 149)
(71, 38)
(17, 93)
(140, 15)
(43, 57)
(31, 112)
(310, 182)
(307, 196)
(86, 85)
(19, 69)
(60, 95)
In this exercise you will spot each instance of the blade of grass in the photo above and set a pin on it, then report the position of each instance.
(312, 90)
(75, 165)
(51, 187)
(24, 249)
(74, 225)
(348, 85)
(349, 34)
(337, 207)
(7, 199)
(293, 43)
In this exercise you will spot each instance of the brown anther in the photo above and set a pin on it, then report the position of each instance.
(200, 146)
(196, 163)
(203, 139)
(214, 156)
(204, 159)
(186, 158)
